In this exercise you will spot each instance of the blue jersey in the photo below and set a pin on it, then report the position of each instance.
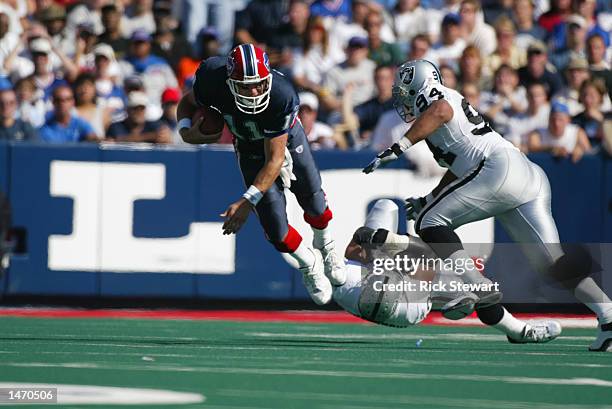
(280, 117)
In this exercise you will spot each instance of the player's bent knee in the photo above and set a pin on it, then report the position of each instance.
(319, 221)
(442, 239)
(572, 267)
(290, 242)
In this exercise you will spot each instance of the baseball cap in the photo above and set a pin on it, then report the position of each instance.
(451, 18)
(309, 99)
(536, 47)
(137, 99)
(171, 95)
(141, 35)
(40, 45)
(577, 62)
(560, 107)
(104, 50)
(576, 19)
(358, 42)
(209, 32)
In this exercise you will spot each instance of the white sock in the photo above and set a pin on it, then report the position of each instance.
(394, 238)
(471, 275)
(510, 325)
(304, 255)
(321, 237)
(589, 293)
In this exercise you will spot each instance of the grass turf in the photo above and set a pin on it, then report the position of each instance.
(289, 365)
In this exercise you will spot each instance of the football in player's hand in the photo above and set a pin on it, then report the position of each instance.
(212, 123)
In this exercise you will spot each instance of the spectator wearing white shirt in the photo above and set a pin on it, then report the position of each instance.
(507, 98)
(8, 40)
(409, 19)
(448, 50)
(319, 135)
(476, 31)
(139, 16)
(535, 117)
(89, 13)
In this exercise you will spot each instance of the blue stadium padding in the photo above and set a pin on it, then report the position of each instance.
(169, 217)
(260, 270)
(41, 216)
(607, 200)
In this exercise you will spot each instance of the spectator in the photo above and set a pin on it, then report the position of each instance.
(471, 92)
(337, 10)
(419, 48)
(170, 45)
(538, 70)
(598, 65)
(585, 11)
(476, 31)
(357, 69)
(260, 20)
(577, 72)
(169, 101)
(85, 41)
(561, 138)
(506, 53)
(138, 16)
(527, 30)
(88, 107)
(112, 35)
(135, 128)
(32, 108)
(494, 10)
(382, 53)
(12, 128)
(536, 116)
(320, 135)
(368, 113)
(507, 99)
(470, 68)
(54, 20)
(8, 40)
(559, 11)
(449, 77)
(87, 13)
(106, 73)
(409, 19)
(575, 42)
(155, 73)
(451, 45)
(289, 35)
(592, 93)
(316, 60)
(208, 46)
(62, 125)
(14, 25)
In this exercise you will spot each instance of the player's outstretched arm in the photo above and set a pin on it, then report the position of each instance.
(238, 212)
(437, 114)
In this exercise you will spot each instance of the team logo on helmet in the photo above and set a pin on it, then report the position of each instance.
(231, 64)
(407, 75)
(266, 61)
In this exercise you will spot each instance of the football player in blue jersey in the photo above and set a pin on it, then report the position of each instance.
(260, 108)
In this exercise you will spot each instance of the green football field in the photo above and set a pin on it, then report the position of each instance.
(297, 365)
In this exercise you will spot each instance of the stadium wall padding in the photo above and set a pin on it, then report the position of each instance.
(136, 220)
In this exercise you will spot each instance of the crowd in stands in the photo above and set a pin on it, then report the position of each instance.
(114, 70)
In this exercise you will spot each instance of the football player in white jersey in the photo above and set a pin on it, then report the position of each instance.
(363, 295)
(487, 176)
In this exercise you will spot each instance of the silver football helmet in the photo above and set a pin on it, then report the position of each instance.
(410, 78)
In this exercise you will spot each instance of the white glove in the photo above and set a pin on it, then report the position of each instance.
(388, 155)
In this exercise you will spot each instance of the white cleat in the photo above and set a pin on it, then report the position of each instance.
(603, 342)
(315, 281)
(537, 332)
(333, 265)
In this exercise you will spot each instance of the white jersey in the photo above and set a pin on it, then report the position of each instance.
(568, 140)
(464, 141)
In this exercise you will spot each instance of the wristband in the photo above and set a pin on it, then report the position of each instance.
(183, 123)
(404, 143)
(253, 195)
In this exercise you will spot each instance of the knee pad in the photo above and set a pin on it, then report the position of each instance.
(321, 221)
(442, 239)
(290, 243)
(572, 267)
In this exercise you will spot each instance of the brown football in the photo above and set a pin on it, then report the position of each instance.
(212, 125)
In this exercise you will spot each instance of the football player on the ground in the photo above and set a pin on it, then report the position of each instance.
(359, 295)
(260, 108)
(487, 176)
